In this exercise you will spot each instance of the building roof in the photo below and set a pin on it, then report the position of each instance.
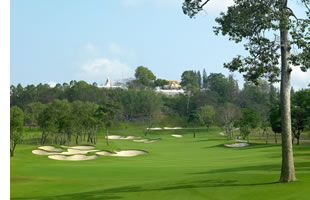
(176, 82)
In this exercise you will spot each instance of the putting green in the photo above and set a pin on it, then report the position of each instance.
(174, 168)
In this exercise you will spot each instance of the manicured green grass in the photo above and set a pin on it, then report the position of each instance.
(174, 168)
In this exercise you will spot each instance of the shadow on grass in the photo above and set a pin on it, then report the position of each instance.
(266, 168)
(116, 193)
(208, 140)
(251, 146)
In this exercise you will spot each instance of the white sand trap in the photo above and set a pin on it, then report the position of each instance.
(130, 138)
(129, 153)
(79, 147)
(176, 135)
(72, 158)
(76, 151)
(240, 144)
(174, 128)
(147, 140)
(50, 148)
(142, 140)
(114, 137)
(222, 133)
(125, 153)
(104, 153)
(153, 129)
(168, 128)
(41, 152)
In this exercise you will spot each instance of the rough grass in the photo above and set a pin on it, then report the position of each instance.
(174, 168)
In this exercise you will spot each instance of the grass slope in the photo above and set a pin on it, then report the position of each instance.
(175, 168)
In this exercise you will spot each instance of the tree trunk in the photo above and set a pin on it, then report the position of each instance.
(226, 132)
(267, 134)
(275, 138)
(298, 137)
(187, 104)
(288, 169)
(107, 136)
(12, 150)
(194, 130)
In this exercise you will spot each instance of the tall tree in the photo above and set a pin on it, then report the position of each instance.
(204, 78)
(249, 120)
(228, 114)
(300, 112)
(16, 127)
(207, 115)
(195, 119)
(145, 76)
(32, 112)
(149, 105)
(254, 21)
(198, 75)
(189, 80)
(106, 114)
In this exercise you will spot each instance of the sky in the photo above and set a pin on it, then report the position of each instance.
(56, 41)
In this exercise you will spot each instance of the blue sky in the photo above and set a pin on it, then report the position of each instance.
(59, 41)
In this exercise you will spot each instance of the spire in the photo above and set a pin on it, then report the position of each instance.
(107, 83)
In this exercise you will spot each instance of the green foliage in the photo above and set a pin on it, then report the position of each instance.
(300, 112)
(145, 76)
(207, 115)
(106, 113)
(275, 119)
(250, 119)
(216, 82)
(161, 82)
(249, 21)
(189, 80)
(16, 127)
(32, 112)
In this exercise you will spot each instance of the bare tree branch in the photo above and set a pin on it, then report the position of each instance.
(203, 4)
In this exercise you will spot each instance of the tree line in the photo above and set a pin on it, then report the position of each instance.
(73, 110)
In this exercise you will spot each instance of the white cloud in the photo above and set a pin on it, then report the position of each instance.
(300, 79)
(117, 51)
(52, 84)
(101, 68)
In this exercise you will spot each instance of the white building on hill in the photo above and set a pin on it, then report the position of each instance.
(174, 88)
(108, 85)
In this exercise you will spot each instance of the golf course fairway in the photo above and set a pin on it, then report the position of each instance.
(174, 168)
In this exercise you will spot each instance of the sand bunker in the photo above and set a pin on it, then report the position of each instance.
(76, 151)
(104, 153)
(50, 148)
(176, 135)
(130, 138)
(72, 158)
(174, 128)
(69, 152)
(240, 144)
(79, 147)
(153, 129)
(222, 133)
(129, 153)
(147, 140)
(41, 152)
(114, 137)
(119, 137)
(125, 153)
